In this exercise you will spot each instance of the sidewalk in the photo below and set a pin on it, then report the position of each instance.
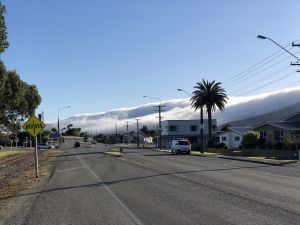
(274, 162)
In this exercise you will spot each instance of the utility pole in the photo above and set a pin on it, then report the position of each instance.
(106, 133)
(116, 131)
(127, 134)
(137, 133)
(159, 110)
(297, 63)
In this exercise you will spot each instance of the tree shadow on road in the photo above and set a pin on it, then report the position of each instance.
(108, 183)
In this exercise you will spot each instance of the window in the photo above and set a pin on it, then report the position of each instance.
(263, 134)
(173, 128)
(278, 135)
(223, 138)
(193, 128)
(236, 138)
(183, 143)
(214, 127)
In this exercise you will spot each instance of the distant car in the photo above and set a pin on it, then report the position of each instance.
(180, 146)
(44, 146)
(77, 144)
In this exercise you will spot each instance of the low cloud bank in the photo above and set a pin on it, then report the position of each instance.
(238, 108)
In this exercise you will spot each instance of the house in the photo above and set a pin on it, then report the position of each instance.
(189, 129)
(286, 131)
(233, 137)
(132, 137)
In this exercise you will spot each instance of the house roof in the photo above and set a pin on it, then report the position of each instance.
(239, 130)
(290, 116)
(285, 125)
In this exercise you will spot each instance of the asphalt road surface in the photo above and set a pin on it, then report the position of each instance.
(148, 187)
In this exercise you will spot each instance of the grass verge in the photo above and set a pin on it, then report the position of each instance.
(115, 153)
(25, 181)
(9, 153)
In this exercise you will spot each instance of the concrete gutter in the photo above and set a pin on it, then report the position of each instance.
(272, 162)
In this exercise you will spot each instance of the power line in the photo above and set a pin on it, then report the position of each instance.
(260, 62)
(251, 69)
(270, 75)
(259, 72)
(267, 84)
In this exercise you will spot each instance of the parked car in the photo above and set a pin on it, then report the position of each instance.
(180, 146)
(77, 144)
(44, 146)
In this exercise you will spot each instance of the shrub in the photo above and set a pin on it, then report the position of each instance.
(221, 145)
(250, 139)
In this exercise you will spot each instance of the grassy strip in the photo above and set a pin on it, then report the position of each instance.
(8, 153)
(205, 153)
(114, 153)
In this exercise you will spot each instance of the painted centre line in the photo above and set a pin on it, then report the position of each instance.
(75, 168)
(111, 193)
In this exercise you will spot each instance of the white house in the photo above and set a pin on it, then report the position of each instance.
(233, 137)
(189, 129)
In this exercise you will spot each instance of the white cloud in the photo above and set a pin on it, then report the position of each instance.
(237, 108)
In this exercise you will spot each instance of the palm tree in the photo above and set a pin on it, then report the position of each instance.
(212, 96)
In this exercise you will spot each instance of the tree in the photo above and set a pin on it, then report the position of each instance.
(3, 33)
(225, 127)
(18, 100)
(212, 96)
(250, 139)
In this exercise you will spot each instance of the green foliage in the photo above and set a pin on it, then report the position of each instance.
(211, 96)
(18, 99)
(73, 131)
(250, 139)
(46, 135)
(3, 33)
(225, 127)
(146, 131)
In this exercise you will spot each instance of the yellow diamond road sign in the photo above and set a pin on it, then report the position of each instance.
(34, 126)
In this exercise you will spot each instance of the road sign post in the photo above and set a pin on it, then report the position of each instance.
(36, 159)
(34, 126)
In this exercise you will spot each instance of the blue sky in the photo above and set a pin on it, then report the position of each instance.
(99, 55)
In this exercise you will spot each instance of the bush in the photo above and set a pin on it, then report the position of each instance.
(221, 145)
(250, 139)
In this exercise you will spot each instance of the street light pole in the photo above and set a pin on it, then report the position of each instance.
(58, 110)
(201, 121)
(264, 37)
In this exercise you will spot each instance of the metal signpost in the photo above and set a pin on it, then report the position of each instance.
(34, 126)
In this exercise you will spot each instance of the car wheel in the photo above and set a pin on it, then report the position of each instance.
(188, 152)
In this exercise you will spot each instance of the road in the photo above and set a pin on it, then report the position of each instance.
(148, 187)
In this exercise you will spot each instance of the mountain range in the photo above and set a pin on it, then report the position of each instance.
(239, 111)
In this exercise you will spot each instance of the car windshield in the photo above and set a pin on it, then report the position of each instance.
(183, 143)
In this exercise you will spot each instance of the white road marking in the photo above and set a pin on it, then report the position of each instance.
(111, 193)
(80, 167)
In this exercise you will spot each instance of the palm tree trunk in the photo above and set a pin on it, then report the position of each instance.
(209, 125)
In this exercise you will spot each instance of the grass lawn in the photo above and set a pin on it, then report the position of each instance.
(115, 153)
(8, 153)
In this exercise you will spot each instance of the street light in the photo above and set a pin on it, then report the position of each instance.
(153, 98)
(159, 117)
(264, 37)
(201, 120)
(58, 110)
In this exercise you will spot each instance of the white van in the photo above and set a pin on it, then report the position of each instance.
(180, 146)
